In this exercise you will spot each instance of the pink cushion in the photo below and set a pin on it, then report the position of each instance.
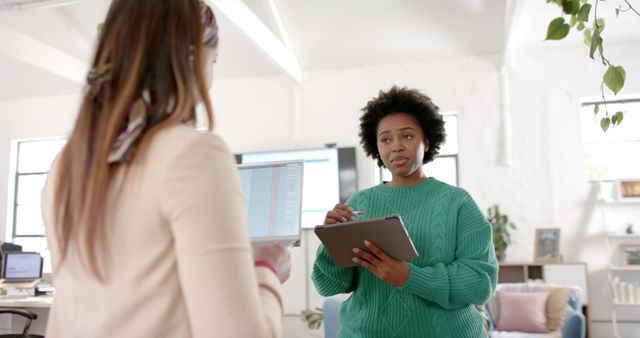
(522, 311)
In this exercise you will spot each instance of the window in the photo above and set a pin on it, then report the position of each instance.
(445, 166)
(33, 159)
(611, 155)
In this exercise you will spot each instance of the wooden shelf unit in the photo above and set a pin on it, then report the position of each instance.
(519, 272)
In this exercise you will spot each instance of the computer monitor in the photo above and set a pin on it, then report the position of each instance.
(330, 177)
(273, 193)
(21, 266)
(6, 247)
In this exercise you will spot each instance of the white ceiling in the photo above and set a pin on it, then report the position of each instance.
(45, 51)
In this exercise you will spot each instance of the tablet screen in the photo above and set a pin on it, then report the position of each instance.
(273, 193)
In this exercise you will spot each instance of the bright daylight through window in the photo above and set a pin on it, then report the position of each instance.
(614, 154)
(33, 159)
(445, 165)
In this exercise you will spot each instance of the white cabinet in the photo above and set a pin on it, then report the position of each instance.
(568, 274)
(624, 279)
(623, 250)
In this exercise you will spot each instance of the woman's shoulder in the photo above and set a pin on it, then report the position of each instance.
(185, 134)
(456, 196)
(448, 188)
(178, 140)
(364, 192)
(460, 197)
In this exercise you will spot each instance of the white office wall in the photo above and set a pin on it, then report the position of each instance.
(543, 187)
(29, 118)
(563, 77)
(326, 108)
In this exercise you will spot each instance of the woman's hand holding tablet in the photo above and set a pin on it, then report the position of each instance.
(386, 233)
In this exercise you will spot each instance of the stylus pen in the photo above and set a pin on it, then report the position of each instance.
(357, 212)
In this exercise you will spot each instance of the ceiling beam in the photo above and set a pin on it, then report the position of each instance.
(512, 13)
(43, 56)
(244, 18)
(513, 16)
(72, 19)
(8, 5)
(284, 34)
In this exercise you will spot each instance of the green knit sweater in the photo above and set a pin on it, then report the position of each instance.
(456, 268)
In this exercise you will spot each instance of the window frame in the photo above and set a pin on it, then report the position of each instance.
(590, 103)
(16, 189)
(379, 171)
(11, 233)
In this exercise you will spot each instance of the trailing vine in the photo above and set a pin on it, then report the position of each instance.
(578, 12)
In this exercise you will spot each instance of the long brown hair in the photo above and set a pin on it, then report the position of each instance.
(150, 46)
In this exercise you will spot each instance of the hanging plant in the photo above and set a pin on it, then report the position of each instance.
(575, 14)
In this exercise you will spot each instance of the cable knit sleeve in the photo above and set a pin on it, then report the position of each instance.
(224, 293)
(329, 279)
(472, 276)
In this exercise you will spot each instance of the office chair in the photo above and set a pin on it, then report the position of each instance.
(25, 332)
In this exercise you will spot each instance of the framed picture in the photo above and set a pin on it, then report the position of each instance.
(630, 254)
(628, 189)
(547, 245)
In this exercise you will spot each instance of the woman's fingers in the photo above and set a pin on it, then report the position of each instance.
(383, 266)
(340, 213)
(381, 255)
(363, 263)
(366, 256)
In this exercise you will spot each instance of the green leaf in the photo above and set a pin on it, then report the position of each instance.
(571, 6)
(557, 29)
(617, 118)
(587, 37)
(580, 26)
(605, 122)
(573, 21)
(600, 25)
(614, 78)
(596, 40)
(583, 13)
(99, 27)
(596, 109)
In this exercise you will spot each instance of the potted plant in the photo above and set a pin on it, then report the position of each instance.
(501, 226)
(313, 317)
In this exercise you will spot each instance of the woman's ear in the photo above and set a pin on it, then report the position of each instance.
(426, 144)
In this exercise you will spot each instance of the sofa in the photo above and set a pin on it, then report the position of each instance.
(535, 310)
(571, 324)
(330, 311)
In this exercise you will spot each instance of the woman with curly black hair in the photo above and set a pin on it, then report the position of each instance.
(433, 295)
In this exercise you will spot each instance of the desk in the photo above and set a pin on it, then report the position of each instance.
(39, 304)
(27, 302)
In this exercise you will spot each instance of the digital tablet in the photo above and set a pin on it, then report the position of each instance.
(387, 233)
(273, 194)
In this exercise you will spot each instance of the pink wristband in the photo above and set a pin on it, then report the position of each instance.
(265, 264)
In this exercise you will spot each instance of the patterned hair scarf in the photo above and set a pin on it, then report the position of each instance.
(210, 34)
(137, 118)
